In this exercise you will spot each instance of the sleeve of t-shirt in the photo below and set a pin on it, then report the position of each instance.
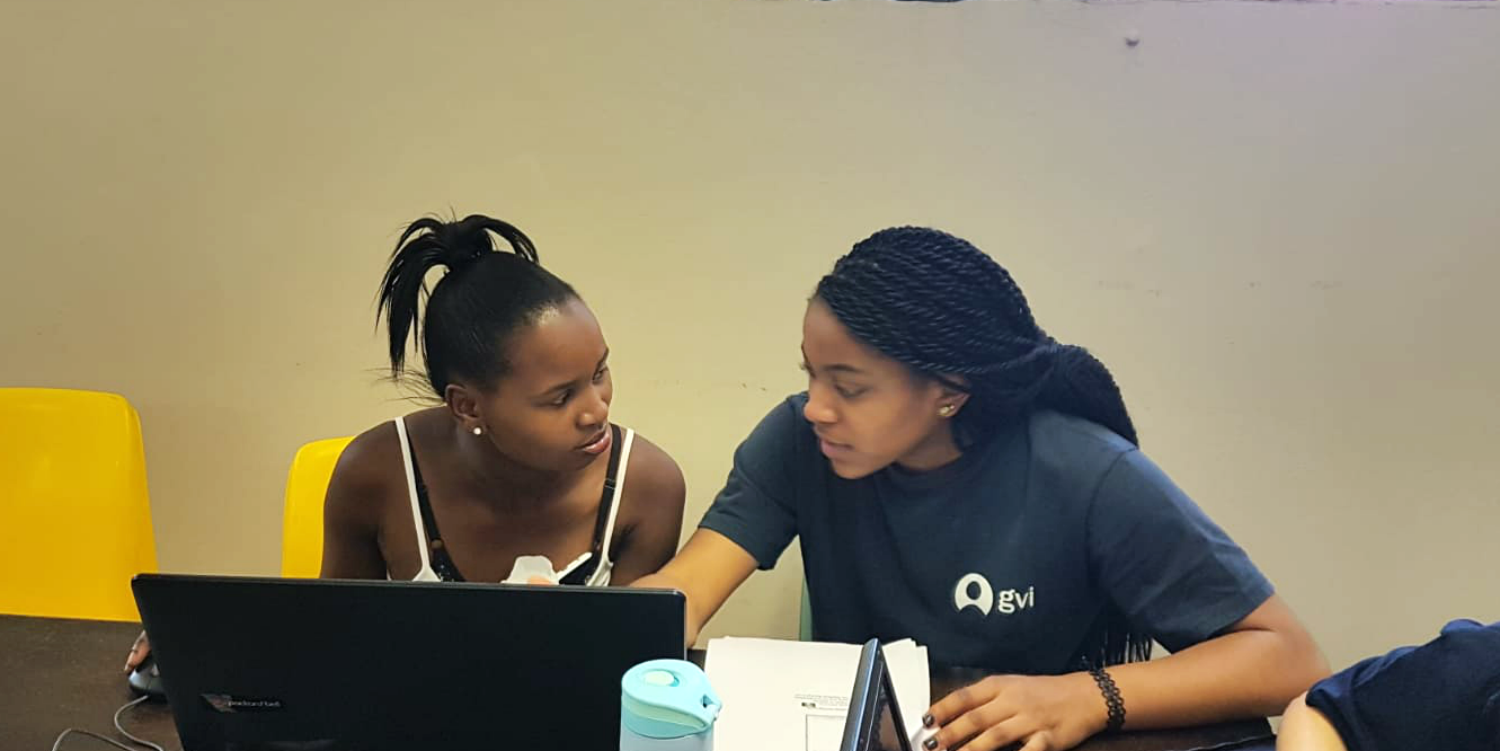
(1444, 694)
(1338, 700)
(757, 509)
(1173, 572)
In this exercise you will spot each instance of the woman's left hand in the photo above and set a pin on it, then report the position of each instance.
(1044, 713)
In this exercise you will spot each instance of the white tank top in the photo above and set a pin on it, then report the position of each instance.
(614, 490)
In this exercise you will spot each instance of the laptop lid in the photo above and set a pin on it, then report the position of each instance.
(252, 663)
(874, 719)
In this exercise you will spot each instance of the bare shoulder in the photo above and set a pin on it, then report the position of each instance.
(650, 512)
(368, 456)
(365, 471)
(654, 481)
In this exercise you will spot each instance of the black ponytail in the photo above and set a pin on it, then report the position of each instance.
(944, 308)
(471, 312)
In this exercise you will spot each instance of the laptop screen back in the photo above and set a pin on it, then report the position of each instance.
(302, 664)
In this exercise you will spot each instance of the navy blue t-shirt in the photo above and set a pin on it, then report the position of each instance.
(1006, 559)
(1444, 695)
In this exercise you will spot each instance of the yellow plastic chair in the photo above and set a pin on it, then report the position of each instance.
(302, 520)
(75, 517)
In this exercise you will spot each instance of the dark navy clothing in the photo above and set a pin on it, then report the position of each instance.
(1006, 559)
(1444, 695)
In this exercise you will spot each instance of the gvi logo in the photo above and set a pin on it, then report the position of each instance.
(974, 591)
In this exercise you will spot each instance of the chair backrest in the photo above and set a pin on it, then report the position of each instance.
(75, 517)
(302, 520)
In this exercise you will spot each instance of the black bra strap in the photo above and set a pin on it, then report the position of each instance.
(607, 498)
(437, 552)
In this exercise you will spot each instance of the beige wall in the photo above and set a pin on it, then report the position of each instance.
(1276, 222)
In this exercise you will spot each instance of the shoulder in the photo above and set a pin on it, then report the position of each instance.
(1059, 430)
(652, 500)
(782, 441)
(790, 410)
(364, 459)
(784, 425)
(1464, 644)
(367, 468)
(1073, 446)
(653, 477)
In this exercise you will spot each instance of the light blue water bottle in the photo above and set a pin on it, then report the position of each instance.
(667, 705)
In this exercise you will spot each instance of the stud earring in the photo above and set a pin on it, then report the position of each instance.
(478, 430)
(945, 411)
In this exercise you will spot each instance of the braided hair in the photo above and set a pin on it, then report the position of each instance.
(944, 308)
(474, 308)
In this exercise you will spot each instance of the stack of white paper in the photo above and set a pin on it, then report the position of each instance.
(794, 696)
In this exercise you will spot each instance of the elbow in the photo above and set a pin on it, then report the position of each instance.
(1320, 668)
(1303, 666)
(1313, 665)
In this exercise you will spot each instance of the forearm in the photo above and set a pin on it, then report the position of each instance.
(693, 621)
(706, 571)
(1246, 673)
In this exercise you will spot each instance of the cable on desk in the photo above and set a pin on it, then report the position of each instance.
(126, 733)
(122, 731)
(72, 731)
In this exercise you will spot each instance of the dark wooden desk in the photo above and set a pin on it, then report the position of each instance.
(56, 674)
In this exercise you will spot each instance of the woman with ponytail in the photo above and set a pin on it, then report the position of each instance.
(520, 459)
(958, 477)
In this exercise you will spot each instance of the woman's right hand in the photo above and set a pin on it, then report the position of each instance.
(138, 653)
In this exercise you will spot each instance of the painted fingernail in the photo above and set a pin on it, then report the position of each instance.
(930, 744)
(926, 720)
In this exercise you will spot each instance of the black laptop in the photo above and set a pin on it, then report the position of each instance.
(302, 664)
(874, 719)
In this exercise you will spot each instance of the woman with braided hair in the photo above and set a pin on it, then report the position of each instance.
(958, 477)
